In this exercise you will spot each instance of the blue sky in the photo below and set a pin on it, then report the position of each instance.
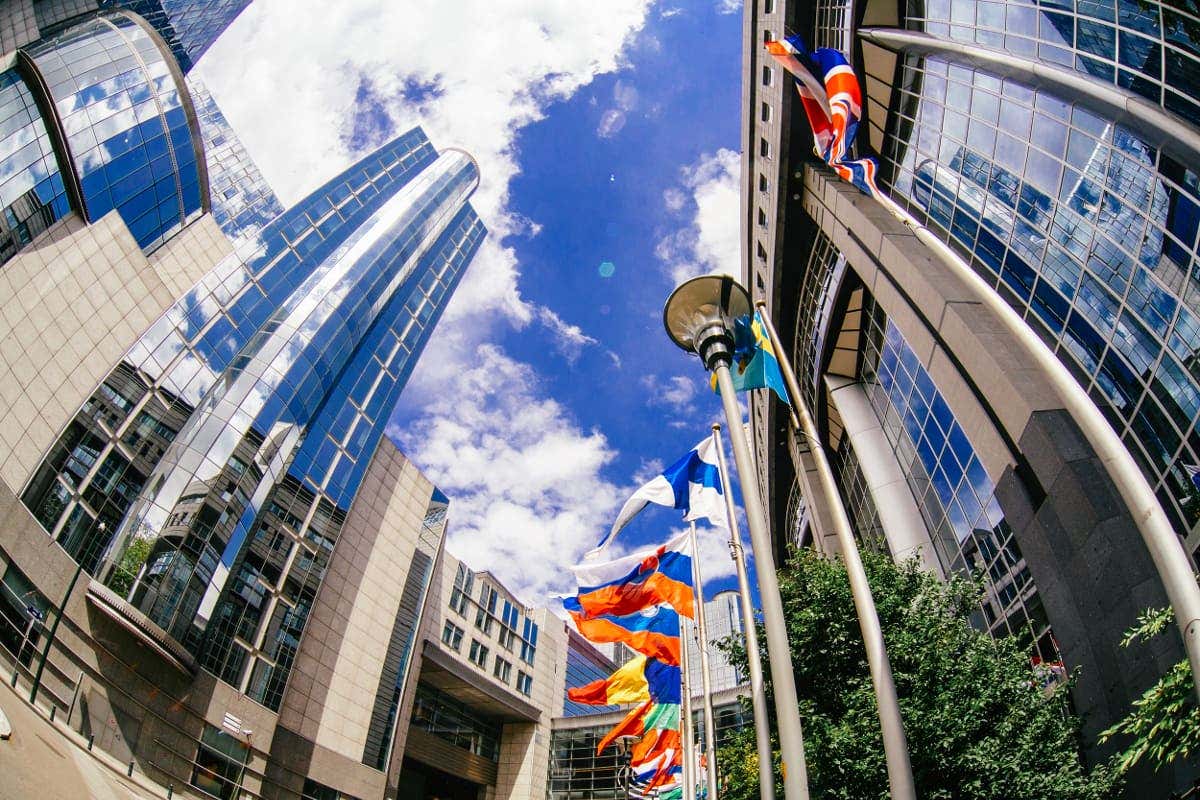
(607, 135)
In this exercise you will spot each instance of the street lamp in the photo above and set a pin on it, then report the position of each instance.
(62, 607)
(699, 317)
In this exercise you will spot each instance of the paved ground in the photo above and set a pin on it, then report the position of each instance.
(40, 762)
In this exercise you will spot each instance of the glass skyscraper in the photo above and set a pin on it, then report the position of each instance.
(98, 117)
(1055, 147)
(236, 431)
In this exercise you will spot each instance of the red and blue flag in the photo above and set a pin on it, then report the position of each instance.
(832, 100)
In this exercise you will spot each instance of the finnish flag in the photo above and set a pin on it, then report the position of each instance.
(692, 484)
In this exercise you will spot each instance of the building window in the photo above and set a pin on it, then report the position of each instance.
(760, 251)
(524, 683)
(764, 148)
(529, 642)
(766, 112)
(502, 669)
(767, 76)
(763, 186)
(768, 7)
(220, 760)
(479, 653)
(762, 218)
(768, 36)
(452, 636)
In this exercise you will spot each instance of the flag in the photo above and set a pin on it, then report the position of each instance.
(755, 365)
(649, 577)
(1193, 472)
(653, 631)
(638, 680)
(832, 100)
(649, 716)
(692, 484)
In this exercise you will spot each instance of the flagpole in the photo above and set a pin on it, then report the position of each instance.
(698, 317)
(758, 694)
(710, 735)
(685, 719)
(895, 742)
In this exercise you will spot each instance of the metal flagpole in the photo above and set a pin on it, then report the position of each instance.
(783, 677)
(758, 694)
(685, 720)
(895, 743)
(710, 735)
(698, 317)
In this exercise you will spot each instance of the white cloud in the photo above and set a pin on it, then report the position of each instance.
(569, 339)
(625, 100)
(527, 496)
(729, 6)
(674, 199)
(711, 241)
(667, 13)
(309, 87)
(675, 392)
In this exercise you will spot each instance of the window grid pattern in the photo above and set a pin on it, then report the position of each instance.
(1087, 231)
(834, 19)
(860, 503)
(242, 202)
(266, 559)
(124, 119)
(495, 617)
(582, 670)
(953, 492)
(438, 713)
(32, 195)
(1149, 47)
(189, 27)
(826, 265)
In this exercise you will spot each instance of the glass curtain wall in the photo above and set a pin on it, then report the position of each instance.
(1085, 229)
(263, 464)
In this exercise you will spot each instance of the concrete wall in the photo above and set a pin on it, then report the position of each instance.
(1085, 554)
(71, 303)
(336, 675)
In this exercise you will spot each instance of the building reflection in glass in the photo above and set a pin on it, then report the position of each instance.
(263, 393)
(1086, 230)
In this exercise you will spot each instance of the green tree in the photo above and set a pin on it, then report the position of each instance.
(1164, 724)
(122, 578)
(980, 726)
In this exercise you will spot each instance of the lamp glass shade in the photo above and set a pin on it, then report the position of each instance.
(700, 303)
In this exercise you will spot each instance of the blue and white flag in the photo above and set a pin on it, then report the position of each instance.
(1193, 472)
(692, 484)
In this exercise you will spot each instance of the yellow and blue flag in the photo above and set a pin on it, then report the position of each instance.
(755, 365)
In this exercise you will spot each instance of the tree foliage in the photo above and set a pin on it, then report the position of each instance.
(131, 562)
(979, 724)
(1164, 724)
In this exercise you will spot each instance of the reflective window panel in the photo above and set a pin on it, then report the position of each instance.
(123, 116)
(1088, 231)
(1148, 47)
(32, 196)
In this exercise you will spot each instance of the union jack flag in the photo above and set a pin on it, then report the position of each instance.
(832, 100)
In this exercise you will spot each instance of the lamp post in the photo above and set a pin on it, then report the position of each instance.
(699, 318)
(58, 615)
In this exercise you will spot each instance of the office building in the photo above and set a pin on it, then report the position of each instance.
(1054, 148)
(193, 456)
(723, 619)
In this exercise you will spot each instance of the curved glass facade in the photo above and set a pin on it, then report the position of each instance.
(189, 27)
(124, 119)
(1087, 230)
(1148, 47)
(245, 417)
(32, 196)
